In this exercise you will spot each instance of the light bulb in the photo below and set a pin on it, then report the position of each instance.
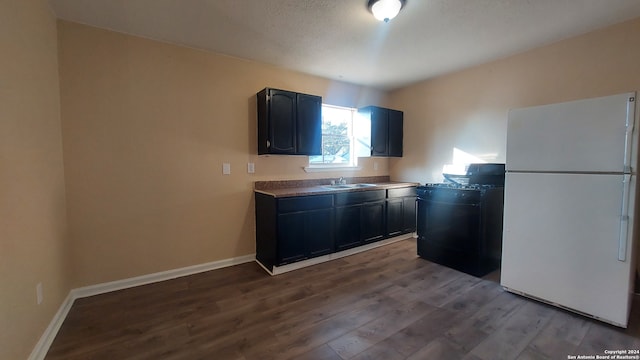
(385, 10)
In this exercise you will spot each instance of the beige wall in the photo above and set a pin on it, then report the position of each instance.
(33, 246)
(468, 109)
(146, 128)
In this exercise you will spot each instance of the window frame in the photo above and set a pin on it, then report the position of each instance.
(353, 160)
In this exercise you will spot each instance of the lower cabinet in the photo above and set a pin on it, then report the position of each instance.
(359, 218)
(401, 211)
(359, 224)
(291, 229)
(372, 220)
(305, 234)
(395, 220)
(348, 227)
(291, 244)
(409, 214)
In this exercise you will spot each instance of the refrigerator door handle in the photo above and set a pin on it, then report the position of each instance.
(624, 219)
(628, 141)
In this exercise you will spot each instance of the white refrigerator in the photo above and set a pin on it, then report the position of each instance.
(569, 205)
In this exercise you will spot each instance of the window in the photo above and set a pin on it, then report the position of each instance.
(337, 137)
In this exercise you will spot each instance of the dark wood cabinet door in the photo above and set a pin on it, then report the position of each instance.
(372, 221)
(289, 123)
(347, 227)
(395, 218)
(319, 232)
(409, 214)
(282, 122)
(291, 242)
(386, 130)
(395, 133)
(379, 131)
(309, 125)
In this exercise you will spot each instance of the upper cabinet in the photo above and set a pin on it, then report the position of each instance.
(395, 132)
(384, 126)
(289, 123)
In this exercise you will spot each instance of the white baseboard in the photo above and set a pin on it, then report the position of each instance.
(157, 277)
(42, 347)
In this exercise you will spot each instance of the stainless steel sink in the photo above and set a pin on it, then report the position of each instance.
(362, 185)
(348, 186)
(340, 186)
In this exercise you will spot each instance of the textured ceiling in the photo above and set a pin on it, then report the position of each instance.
(340, 39)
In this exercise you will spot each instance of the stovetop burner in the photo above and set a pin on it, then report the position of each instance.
(477, 174)
(461, 186)
(470, 189)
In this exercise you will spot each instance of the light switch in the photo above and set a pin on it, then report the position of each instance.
(226, 169)
(251, 168)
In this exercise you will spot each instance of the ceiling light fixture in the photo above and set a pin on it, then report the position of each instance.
(385, 10)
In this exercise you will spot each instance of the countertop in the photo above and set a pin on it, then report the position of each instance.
(324, 189)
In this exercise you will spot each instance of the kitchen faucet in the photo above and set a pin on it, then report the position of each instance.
(340, 181)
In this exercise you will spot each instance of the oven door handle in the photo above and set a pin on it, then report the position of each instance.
(476, 204)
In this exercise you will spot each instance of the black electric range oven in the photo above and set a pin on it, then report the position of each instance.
(460, 222)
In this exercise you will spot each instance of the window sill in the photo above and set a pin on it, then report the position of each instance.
(322, 168)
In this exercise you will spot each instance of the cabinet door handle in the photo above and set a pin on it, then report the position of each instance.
(268, 144)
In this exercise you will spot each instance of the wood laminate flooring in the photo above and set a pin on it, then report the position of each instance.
(385, 304)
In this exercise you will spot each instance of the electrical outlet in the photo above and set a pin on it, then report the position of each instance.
(226, 169)
(251, 168)
(39, 296)
(375, 165)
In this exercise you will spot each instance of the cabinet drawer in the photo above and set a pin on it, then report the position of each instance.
(402, 192)
(357, 197)
(304, 203)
